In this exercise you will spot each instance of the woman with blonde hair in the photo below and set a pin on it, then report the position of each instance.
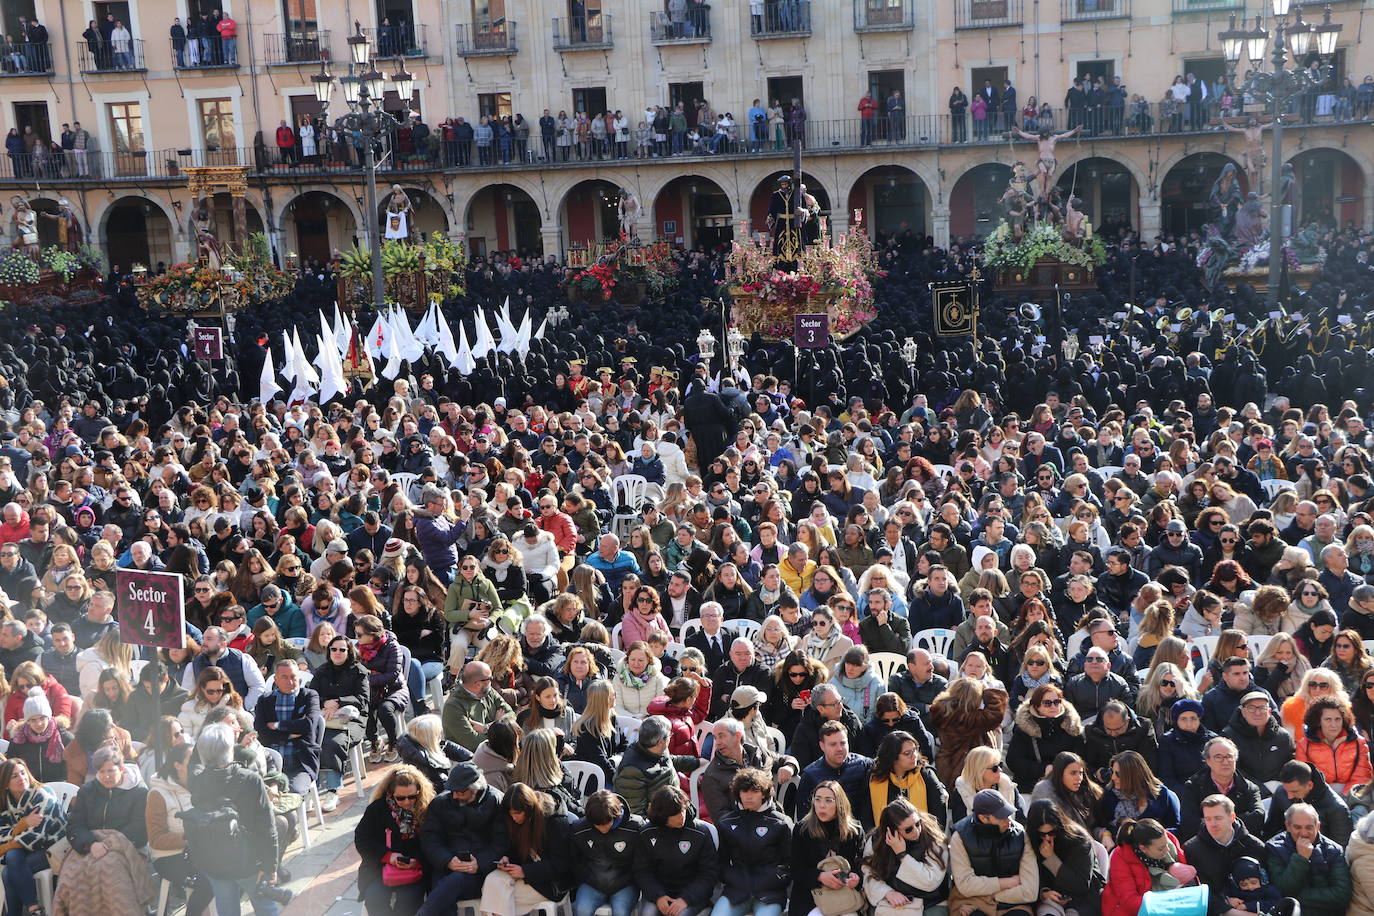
(772, 642)
(108, 652)
(1163, 686)
(1281, 667)
(424, 747)
(508, 673)
(63, 563)
(965, 715)
(1315, 684)
(538, 767)
(596, 738)
(982, 769)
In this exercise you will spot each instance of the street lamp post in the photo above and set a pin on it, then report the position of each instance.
(1277, 87)
(363, 93)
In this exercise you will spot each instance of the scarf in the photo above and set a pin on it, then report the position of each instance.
(369, 651)
(405, 820)
(767, 596)
(1034, 682)
(819, 648)
(633, 681)
(912, 787)
(51, 736)
(1160, 879)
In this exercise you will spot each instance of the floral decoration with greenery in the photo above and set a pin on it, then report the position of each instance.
(1002, 252)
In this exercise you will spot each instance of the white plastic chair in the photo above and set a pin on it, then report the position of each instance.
(694, 788)
(44, 879)
(1206, 647)
(746, 628)
(1272, 488)
(359, 767)
(1108, 471)
(303, 814)
(944, 470)
(689, 628)
(404, 482)
(615, 636)
(1076, 642)
(617, 655)
(701, 733)
(777, 743)
(586, 776)
(628, 725)
(675, 649)
(1198, 675)
(1257, 644)
(884, 663)
(436, 693)
(936, 640)
(298, 641)
(1369, 645)
(64, 791)
(627, 490)
(711, 829)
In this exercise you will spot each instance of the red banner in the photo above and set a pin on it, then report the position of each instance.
(150, 608)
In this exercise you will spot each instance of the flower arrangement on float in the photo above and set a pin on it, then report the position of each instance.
(835, 279)
(246, 278)
(1046, 240)
(621, 270)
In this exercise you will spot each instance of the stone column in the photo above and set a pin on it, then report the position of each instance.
(552, 239)
(1150, 221)
(939, 226)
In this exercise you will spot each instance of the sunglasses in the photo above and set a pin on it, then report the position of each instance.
(1168, 683)
(339, 649)
(406, 798)
(1324, 685)
(1052, 704)
(214, 691)
(891, 720)
(1230, 540)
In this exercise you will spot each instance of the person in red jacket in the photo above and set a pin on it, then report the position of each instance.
(1146, 858)
(867, 108)
(286, 143)
(564, 532)
(685, 703)
(228, 40)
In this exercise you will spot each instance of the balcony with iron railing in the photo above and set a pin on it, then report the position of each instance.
(884, 15)
(782, 19)
(883, 136)
(203, 54)
(1091, 10)
(986, 14)
(487, 39)
(691, 25)
(295, 48)
(591, 32)
(1208, 6)
(112, 57)
(394, 41)
(25, 58)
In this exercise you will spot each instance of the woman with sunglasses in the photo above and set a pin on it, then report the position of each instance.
(1317, 635)
(342, 684)
(1044, 726)
(1316, 684)
(794, 679)
(1330, 743)
(388, 840)
(982, 769)
(213, 688)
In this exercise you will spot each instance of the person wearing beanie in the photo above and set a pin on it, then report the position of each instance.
(39, 739)
(276, 603)
(1180, 748)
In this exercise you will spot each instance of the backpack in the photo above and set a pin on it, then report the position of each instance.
(218, 843)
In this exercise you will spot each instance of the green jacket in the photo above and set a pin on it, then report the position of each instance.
(588, 525)
(479, 589)
(677, 122)
(462, 710)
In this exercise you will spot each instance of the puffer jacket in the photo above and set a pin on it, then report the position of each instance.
(633, 699)
(1037, 740)
(385, 679)
(1180, 755)
(683, 721)
(605, 861)
(1128, 880)
(755, 854)
(641, 774)
(1321, 882)
(860, 693)
(121, 808)
(1345, 763)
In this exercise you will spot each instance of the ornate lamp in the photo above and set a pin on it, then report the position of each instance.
(706, 345)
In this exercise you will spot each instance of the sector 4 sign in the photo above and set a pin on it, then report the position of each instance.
(150, 608)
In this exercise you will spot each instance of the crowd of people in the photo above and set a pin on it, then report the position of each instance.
(26, 50)
(996, 630)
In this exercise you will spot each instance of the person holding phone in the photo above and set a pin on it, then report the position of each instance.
(392, 873)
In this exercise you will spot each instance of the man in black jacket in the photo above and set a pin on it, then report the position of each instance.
(547, 126)
(826, 706)
(463, 836)
(713, 640)
(603, 847)
(1264, 744)
(1219, 776)
(711, 423)
(1216, 848)
(1120, 584)
(741, 668)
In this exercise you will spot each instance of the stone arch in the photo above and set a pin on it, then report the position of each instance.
(1188, 183)
(148, 236)
(317, 222)
(1186, 151)
(730, 181)
(502, 216)
(1109, 188)
(1347, 187)
(47, 229)
(587, 210)
(923, 167)
(693, 208)
(763, 190)
(973, 198)
(431, 213)
(893, 198)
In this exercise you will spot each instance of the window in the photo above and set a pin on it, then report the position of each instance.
(486, 11)
(126, 126)
(686, 93)
(1097, 69)
(217, 124)
(591, 100)
(300, 16)
(494, 104)
(882, 12)
(784, 89)
(16, 14)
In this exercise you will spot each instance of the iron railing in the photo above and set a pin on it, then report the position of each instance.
(1207, 6)
(297, 47)
(203, 54)
(25, 58)
(487, 39)
(986, 14)
(404, 39)
(1145, 123)
(782, 19)
(693, 24)
(591, 32)
(111, 57)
